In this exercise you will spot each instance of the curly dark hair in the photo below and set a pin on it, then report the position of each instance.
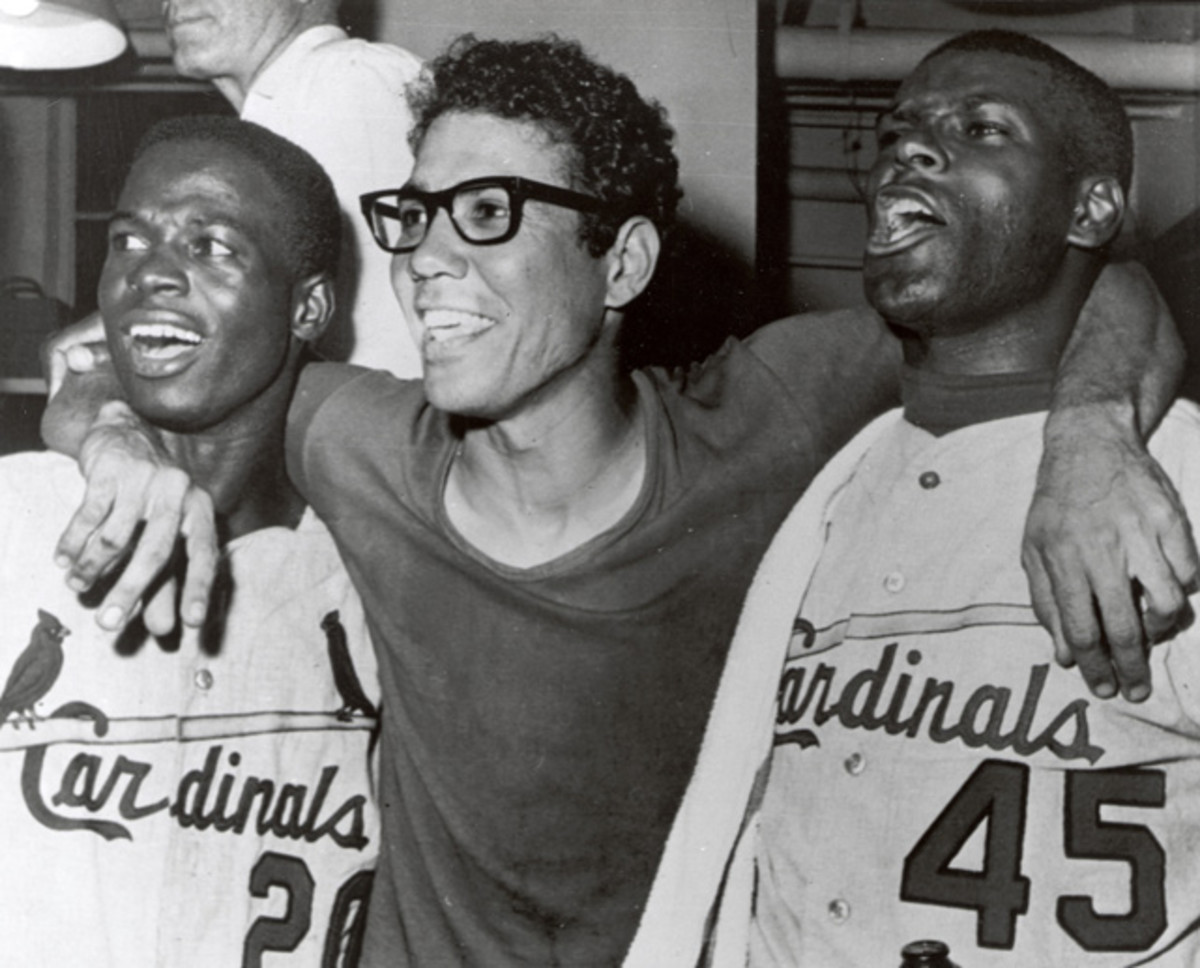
(311, 217)
(620, 143)
(1096, 135)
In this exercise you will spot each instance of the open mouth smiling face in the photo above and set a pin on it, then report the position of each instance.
(899, 219)
(451, 326)
(156, 343)
(196, 292)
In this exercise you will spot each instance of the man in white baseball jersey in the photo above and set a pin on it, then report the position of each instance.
(933, 773)
(205, 801)
(287, 65)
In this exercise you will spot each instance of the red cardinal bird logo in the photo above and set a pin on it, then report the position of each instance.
(35, 671)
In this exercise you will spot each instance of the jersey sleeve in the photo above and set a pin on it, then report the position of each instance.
(841, 369)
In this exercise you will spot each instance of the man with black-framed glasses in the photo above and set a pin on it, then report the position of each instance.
(552, 551)
(483, 211)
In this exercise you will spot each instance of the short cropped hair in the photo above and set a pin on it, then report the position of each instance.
(311, 220)
(620, 143)
(1096, 135)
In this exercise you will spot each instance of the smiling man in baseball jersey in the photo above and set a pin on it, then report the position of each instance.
(205, 801)
(933, 773)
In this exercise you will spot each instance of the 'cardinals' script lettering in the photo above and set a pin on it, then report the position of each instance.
(92, 791)
(882, 698)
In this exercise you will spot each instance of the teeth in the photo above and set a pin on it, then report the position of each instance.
(444, 324)
(906, 207)
(897, 217)
(164, 331)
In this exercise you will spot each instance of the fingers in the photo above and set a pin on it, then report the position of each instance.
(102, 532)
(156, 547)
(1044, 605)
(1079, 637)
(1162, 595)
(133, 515)
(1121, 637)
(1110, 559)
(159, 613)
(1090, 605)
(154, 550)
(1162, 611)
(90, 544)
(203, 553)
(73, 349)
(1178, 547)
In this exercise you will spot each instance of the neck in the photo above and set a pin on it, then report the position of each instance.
(235, 87)
(246, 477)
(1027, 338)
(527, 490)
(241, 463)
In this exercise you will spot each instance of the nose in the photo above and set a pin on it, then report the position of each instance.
(440, 252)
(919, 148)
(157, 271)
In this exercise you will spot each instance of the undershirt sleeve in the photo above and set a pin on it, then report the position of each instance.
(316, 384)
(841, 368)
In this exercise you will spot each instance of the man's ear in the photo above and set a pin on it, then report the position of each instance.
(631, 261)
(313, 303)
(1099, 211)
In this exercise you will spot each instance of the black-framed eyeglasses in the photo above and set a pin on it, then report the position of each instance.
(484, 211)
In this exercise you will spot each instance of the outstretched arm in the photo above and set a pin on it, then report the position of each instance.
(1108, 548)
(138, 503)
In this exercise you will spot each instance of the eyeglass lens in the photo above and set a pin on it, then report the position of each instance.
(480, 213)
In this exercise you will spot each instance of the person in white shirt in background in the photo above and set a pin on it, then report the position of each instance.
(288, 66)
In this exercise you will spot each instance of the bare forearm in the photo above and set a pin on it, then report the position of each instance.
(1125, 357)
(1108, 547)
(81, 378)
(73, 410)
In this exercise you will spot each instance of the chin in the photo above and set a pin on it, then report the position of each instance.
(454, 398)
(902, 304)
(168, 411)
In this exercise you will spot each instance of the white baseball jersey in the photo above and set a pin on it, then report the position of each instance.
(935, 774)
(209, 805)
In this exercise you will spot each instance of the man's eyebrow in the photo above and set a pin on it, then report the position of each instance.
(899, 111)
(979, 100)
(204, 221)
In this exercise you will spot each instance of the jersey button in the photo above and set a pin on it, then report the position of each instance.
(855, 763)
(894, 582)
(929, 480)
(839, 911)
(203, 679)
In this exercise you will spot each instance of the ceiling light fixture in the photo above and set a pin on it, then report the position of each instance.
(59, 34)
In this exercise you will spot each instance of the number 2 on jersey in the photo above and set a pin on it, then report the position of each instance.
(996, 794)
(347, 920)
